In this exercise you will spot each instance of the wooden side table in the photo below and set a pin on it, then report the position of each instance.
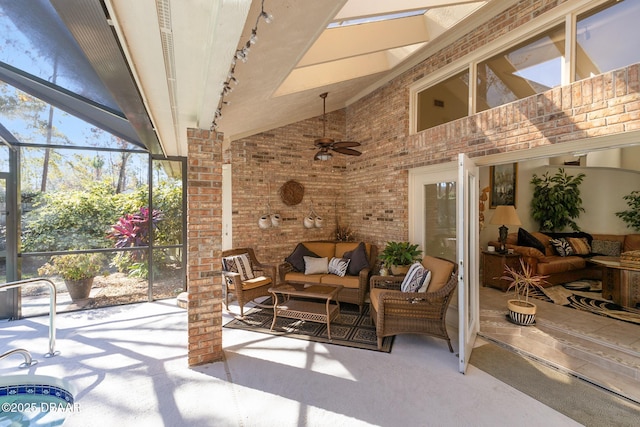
(493, 264)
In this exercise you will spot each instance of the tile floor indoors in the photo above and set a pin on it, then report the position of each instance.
(129, 366)
(602, 350)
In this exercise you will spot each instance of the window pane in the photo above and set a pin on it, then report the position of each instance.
(71, 198)
(607, 39)
(440, 220)
(37, 42)
(33, 121)
(444, 102)
(529, 68)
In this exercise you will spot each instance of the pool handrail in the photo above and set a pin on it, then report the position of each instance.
(28, 360)
(52, 307)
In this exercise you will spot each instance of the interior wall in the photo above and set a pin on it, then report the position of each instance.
(602, 192)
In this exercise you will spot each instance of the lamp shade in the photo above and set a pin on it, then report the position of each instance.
(505, 214)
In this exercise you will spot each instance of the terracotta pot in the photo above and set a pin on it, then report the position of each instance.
(399, 270)
(522, 312)
(79, 289)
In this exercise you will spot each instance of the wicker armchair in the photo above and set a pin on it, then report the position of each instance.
(250, 289)
(395, 312)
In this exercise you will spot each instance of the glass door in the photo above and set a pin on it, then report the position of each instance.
(468, 258)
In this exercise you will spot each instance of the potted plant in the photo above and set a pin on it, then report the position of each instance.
(523, 281)
(398, 256)
(77, 271)
(631, 217)
(556, 200)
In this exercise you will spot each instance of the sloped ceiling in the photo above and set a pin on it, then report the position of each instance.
(180, 54)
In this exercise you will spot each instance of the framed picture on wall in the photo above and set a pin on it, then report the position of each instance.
(503, 182)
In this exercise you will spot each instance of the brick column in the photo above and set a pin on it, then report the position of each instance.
(204, 242)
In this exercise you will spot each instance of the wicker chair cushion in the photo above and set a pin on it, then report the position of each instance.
(374, 297)
(440, 271)
(252, 283)
(239, 264)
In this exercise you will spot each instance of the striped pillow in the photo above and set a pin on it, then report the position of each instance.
(415, 278)
(239, 264)
(338, 266)
(580, 245)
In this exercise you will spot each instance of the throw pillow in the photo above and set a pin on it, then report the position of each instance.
(527, 239)
(338, 266)
(315, 265)
(239, 264)
(426, 282)
(296, 259)
(606, 247)
(358, 259)
(414, 278)
(562, 246)
(580, 245)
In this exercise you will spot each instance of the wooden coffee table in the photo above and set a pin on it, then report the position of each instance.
(620, 283)
(306, 308)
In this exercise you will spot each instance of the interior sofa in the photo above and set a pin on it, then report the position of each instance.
(355, 277)
(547, 253)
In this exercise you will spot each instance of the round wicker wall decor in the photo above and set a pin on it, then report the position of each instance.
(291, 192)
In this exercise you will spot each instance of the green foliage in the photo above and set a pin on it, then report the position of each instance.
(167, 198)
(399, 253)
(74, 266)
(81, 219)
(68, 220)
(556, 201)
(632, 216)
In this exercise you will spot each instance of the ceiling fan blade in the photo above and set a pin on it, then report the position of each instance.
(342, 144)
(347, 151)
(323, 142)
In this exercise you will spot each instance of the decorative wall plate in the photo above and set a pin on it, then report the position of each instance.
(291, 192)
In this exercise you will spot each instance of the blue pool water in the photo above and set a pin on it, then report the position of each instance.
(34, 400)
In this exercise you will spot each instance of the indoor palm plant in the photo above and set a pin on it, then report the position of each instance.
(522, 282)
(398, 256)
(556, 201)
(77, 271)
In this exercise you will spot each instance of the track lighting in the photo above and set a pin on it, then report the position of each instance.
(241, 54)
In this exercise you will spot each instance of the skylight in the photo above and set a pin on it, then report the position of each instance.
(376, 18)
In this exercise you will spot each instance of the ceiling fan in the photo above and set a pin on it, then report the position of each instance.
(325, 144)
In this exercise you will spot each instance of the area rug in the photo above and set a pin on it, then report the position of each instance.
(350, 329)
(571, 396)
(586, 295)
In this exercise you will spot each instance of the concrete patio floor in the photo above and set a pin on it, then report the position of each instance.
(129, 366)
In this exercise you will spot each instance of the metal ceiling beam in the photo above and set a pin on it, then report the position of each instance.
(71, 103)
(89, 23)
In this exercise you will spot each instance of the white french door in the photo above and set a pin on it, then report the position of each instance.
(468, 265)
(443, 220)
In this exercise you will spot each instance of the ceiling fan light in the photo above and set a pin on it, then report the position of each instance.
(323, 156)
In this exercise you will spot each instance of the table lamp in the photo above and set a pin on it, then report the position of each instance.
(504, 214)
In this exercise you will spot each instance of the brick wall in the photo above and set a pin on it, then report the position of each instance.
(262, 163)
(204, 231)
(371, 190)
